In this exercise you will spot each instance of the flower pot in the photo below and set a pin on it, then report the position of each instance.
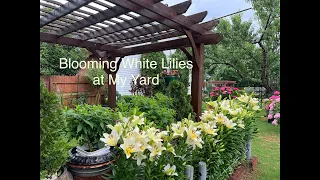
(168, 79)
(90, 167)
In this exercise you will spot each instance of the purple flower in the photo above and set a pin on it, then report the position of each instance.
(277, 115)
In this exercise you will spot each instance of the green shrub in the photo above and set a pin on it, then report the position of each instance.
(53, 144)
(158, 109)
(181, 101)
(87, 123)
(149, 72)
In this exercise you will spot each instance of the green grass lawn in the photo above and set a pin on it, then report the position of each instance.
(266, 145)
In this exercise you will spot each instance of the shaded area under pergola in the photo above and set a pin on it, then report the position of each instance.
(118, 28)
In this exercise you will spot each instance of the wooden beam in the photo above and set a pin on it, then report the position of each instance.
(167, 13)
(167, 45)
(63, 10)
(196, 18)
(179, 8)
(186, 52)
(164, 14)
(193, 45)
(52, 38)
(197, 80)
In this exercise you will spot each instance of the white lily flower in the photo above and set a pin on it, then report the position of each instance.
(152, 134)
(156, 149)
(139, 156)
(220, 118)
(253, 101)
(207, 116)
(229, 124)
(193, 138)
(129, 146)
(209, 129)
(243, 98)
(170, 171)
(178, 129)
(111, 139)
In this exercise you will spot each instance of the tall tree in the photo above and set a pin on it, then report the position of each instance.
(249, 56)
(50, 55)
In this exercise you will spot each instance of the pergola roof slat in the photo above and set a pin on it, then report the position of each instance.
(62, 11)
(154, 28)
(208, 25)
(96, 18)
(161, 13)
(174, 44)
(179, 8)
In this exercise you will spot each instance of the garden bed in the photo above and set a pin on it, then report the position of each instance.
(239, 172)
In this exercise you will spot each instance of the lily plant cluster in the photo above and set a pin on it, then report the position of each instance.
(273, 107)
(144, 143)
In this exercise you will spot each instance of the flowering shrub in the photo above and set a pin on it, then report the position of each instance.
(272, 105)
(224, 91)
(149, 153)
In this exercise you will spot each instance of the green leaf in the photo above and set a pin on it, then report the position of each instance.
(79, 128)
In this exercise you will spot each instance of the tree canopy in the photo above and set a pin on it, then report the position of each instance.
(247, 54)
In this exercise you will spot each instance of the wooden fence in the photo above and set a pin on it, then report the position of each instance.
(71, 88)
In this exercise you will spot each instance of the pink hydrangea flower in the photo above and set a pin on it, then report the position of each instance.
(276, 93)
(229, 92)
(212, 94)
(224, 92)
(275, 122)
(278, 99)
(271, 107)
(274, 97)
(223, 88)
(235, 89)
(267, 107)
(216, 89)
(277, 115)
(234, 97)
(270, 116)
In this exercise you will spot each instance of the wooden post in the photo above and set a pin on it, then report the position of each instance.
(111, 87)
(197, 80)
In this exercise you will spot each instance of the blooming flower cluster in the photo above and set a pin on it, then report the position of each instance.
(224, 91)
(143, 142)
(273, 107)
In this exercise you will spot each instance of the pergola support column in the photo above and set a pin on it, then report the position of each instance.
(111, 86)
(197, 81)
(197, 71)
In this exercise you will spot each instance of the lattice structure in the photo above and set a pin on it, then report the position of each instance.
(118, 28)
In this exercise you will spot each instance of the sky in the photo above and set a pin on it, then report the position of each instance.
(215, 8)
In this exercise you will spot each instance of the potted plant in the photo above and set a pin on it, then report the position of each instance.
(170, 76)
(87, 123)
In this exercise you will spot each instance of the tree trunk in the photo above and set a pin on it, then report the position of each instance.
(264, 70)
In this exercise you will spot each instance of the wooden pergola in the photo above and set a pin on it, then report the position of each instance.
(118, 28)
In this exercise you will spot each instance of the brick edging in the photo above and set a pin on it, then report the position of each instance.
(245, 166)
